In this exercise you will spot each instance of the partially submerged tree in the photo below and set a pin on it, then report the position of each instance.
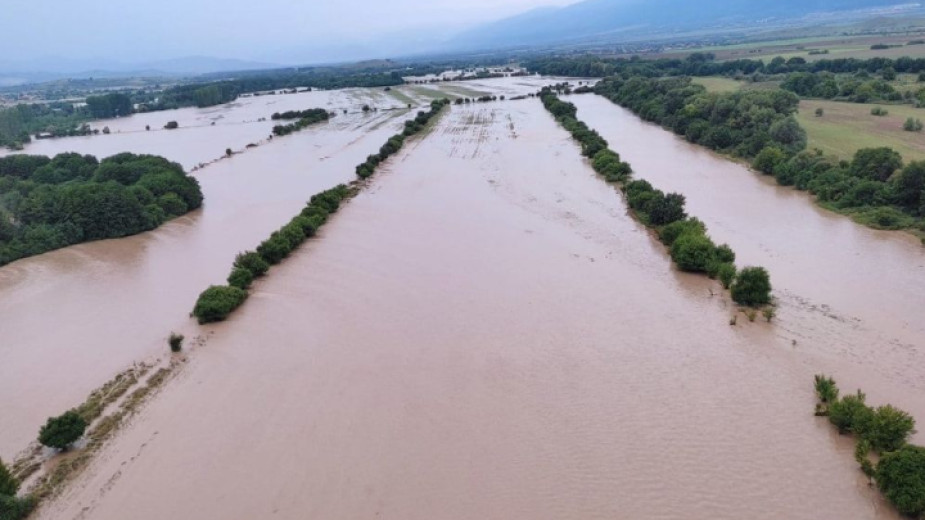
(62, 431)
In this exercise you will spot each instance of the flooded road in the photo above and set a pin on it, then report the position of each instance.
(848, 293)
(73, 318)
(483, 333)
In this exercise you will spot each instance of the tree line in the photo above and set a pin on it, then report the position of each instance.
(217, 302)
(48, 203)
(305, 118)
(875, 188)
(691, 248)
(704, 64)
(394, 143)
(885, 430)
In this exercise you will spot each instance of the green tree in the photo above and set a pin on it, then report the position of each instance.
(889, 428)
(693, 253)
(217, 302)
(752, 287)
(253, 262)
(826, 389)
(900, 476)
(768, 159)
(8, 484)
(850, 413)
(62, 431)
(877, 164)
(910, 184)
(240, 278)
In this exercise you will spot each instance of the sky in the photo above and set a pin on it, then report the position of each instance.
(274, 31)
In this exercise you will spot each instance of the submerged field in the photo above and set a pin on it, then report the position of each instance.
(483, 332)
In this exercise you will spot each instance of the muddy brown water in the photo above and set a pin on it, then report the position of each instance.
(848, 293)
(79, 315)
(485, 333)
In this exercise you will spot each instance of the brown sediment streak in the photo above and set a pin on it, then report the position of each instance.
(483, 333)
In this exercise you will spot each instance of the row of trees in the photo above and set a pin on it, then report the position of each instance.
(704, 64)
(885, 430)
(18, 123)
(218, 301)
(115, 104)
(395, 143)
(690, 246)
(49, 203)
(874, 186)
(740, 123)
(305, 118)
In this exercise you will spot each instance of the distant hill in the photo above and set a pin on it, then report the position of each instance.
(613, 18)
(51, 68)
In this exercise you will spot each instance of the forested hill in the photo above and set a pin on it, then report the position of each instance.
(614, 18)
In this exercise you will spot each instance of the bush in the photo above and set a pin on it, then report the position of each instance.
(171, 125)
(900, 476)
(693, 253)
(879, 112)
(62, 431)
(667, 209)
(726, 274)
(850, 414)
(217, 302)
(768, 159)
(826, 389)
(724, 254)
(671, 232)
(175, 341)
(275, 248)
(752, 287)
(912, 125)
(253, 262)
(13, 508)
(8, 484)
(240, 278)
(889, 429)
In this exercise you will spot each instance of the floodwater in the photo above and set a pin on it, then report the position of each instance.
(847, 293)
(80, 315)
(484, 333)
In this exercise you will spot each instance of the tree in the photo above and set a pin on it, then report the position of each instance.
(912, 125)
(768, 159)
(667, 209)
(826, 389)
(240, 278)
(726, 274)
(900, 478)
(889, 428)
(752, 287)
(62, 431)
(877, 164)
(8, 484)
(175, 341)
(910, 184)
(693, 252)
(850, 414)
(217, 302)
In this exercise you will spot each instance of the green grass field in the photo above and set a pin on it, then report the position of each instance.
(847, 127)
(714, 84)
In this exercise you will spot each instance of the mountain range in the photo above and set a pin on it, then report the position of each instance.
(614, 19)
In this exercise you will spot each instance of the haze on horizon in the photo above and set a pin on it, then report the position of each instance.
(274, 31)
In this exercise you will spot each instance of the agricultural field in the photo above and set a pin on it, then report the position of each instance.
(845, 128)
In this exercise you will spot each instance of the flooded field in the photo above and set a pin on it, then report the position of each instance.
(485, 333)
(80, 315)
(848, 293)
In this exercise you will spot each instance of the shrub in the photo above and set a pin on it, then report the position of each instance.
(171, 125)
(879, 112)
(752, 287)
(62, 431)
(693, 253)
(8, 484)
(275, 248)
(826, 389)
(175, 341)
(901, 478)
(240, 278)
(253, 262)
(667, 209)
(851, 413)
(726, 274)
(768, 159)
(820, 112)
(889, 429)
(912, 125)
(14, 508)
(725, 254)
(217, 302)
(671, 232)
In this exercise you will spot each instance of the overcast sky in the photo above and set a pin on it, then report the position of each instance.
(278, 30)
